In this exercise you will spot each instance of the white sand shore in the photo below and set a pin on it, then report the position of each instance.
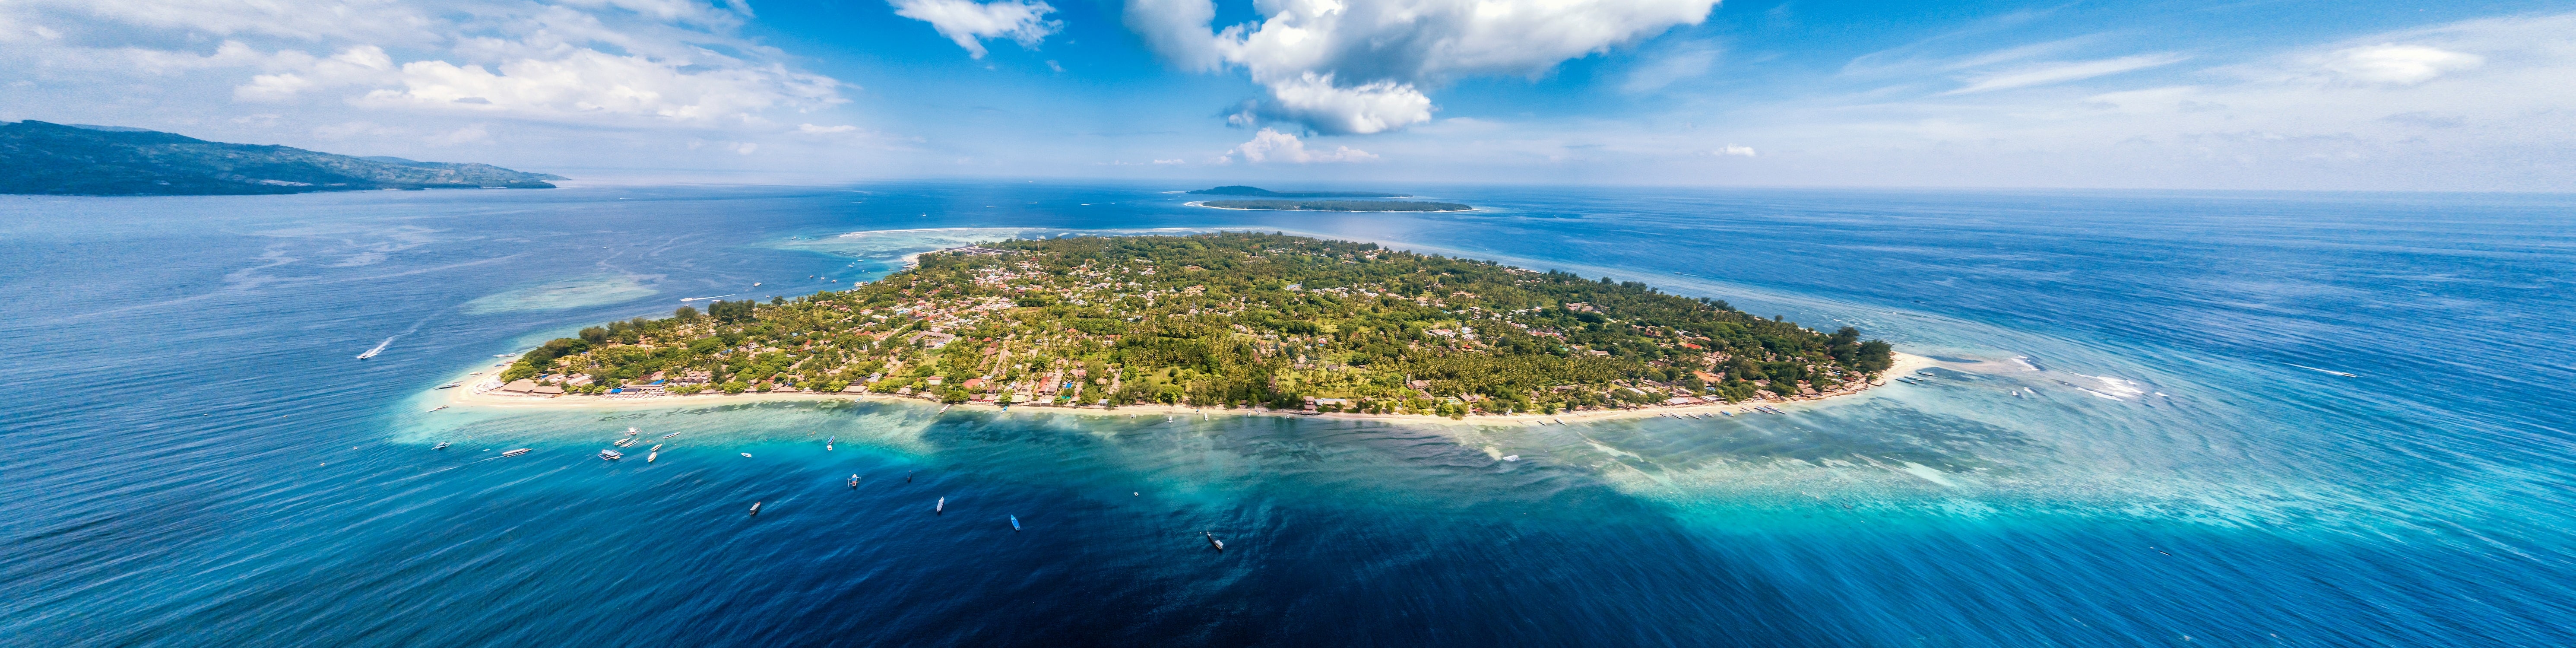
(466, 397)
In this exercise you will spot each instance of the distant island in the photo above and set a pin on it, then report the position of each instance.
(1238, 320)
(1240, 190)
(1339, 205)
(45, 158)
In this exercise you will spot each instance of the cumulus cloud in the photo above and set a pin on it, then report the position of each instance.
(1357, 66)
(630, 62)
(2397, 64)
(1273, 146)
(968, 23)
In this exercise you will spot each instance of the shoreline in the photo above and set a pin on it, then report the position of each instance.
(474, 396)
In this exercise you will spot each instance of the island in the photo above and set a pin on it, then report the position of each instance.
(1264, 322)
(1337, 205)
(46, 158)
(1240, 190)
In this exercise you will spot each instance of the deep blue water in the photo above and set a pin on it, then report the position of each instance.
(191, 456)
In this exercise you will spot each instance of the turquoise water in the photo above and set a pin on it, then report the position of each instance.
(193, 456)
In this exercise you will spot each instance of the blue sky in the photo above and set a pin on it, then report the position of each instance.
(2474, 96)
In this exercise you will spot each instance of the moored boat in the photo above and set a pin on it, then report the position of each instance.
(442, 445)
(611, 455)
(514, 453)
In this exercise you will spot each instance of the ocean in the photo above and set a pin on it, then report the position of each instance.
(2140, 432)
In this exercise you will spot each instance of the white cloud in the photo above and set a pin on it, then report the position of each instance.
(1274, 146)
(2398, 64)
(1731, 149)
(967, 22)
(589, 82)
(587, 62)
(1372, 56)
(1313, 99)
(2061, 72)
(810, 129)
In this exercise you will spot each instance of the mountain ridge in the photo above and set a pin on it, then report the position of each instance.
(79, 159)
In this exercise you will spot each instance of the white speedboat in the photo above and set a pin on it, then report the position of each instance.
(746, 455)
(1511, 457)
(611, 455)
(442, 445)
(441, 407)
(452, 385)
(514, 453)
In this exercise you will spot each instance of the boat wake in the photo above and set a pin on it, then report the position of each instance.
(2331, 371)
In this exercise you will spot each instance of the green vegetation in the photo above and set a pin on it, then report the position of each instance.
(43, 158)
(1233, 319)
(1338, 205)
(1240, 190)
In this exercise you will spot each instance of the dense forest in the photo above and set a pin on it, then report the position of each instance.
(1233, 320)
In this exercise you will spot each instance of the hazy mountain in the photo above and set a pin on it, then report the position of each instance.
(44, 158)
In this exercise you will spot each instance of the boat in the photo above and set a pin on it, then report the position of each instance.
(941, 507)
(1213, 542)
(633, 431)
(755, 508)
(380, 348)
(666, 436)
(442, 445)
(1511, 457)
(854, 480)
(452, 385)
(611, 455)
(657, 447)
(514, 453)
(655, 454)
(1727, 413)
(624, 442)
(441, 407)
(827, 443)
(1015, 524)
(907, 477)
(500, 355)
(746, 455)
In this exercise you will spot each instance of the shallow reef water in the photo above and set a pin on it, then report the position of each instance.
(2134, 432)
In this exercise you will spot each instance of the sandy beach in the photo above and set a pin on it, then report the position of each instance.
(467, 396)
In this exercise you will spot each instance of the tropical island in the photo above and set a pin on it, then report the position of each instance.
(46, 158)
(1234, 320)
(1240, 190)
(1337, 205)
